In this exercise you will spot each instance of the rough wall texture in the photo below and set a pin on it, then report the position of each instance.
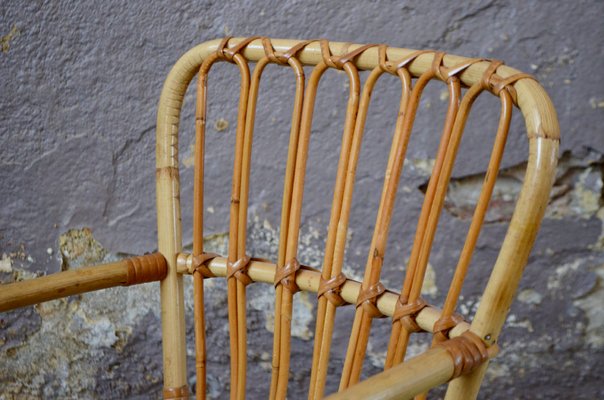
(79, 87)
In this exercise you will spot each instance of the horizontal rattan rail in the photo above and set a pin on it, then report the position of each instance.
(130, 271)
(308, 279)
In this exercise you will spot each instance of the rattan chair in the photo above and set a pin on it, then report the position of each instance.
(460, 350)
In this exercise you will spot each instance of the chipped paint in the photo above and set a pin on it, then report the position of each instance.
(423, 166)
(513, 322)
(87, 326)
(554, 280)
(596, 103)
(577, 191)
(79, 247)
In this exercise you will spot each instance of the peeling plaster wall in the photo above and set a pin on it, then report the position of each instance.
(79, 88)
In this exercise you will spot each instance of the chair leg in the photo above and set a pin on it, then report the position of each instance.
(466, 387)
(173, 336)
(171, 287)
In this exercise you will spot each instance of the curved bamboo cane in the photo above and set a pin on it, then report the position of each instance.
(298, 188)
(289, 173)
(294, 227)
(447, 319)
(428, 221)
(336, 241)
(237, 357)
(361, 325)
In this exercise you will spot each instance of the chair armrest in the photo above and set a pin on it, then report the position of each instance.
(403, 381)
(130, 271)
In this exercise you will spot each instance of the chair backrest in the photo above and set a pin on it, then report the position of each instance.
(459, 349)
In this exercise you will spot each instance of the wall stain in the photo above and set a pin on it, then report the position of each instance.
(5, 41)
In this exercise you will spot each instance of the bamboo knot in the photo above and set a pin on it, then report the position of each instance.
(286, 275)
(491, 70)
(368, 299)
(496, 84)
(407, 312)
(238, 270)
(332, 289)
(468, 351)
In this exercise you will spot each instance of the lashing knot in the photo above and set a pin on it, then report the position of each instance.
(200, 263)
(238, 270)
(286, 275)
(332, 289)
(368, 299)
(406, 313)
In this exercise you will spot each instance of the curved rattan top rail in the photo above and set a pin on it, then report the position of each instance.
(457, 353)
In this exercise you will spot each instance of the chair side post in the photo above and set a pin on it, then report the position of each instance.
(507, 272)
(170, 244)
(169, 219)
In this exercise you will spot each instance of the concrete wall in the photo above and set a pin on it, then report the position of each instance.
(79, 88)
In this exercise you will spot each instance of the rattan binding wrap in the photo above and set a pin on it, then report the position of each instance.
(147, 268)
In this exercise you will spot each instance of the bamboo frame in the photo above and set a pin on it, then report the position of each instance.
(236, 290)
(362, 322)
(541, 125)
(289, 221)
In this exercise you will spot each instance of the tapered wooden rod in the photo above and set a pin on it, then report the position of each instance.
(308, 280)
(130, 271)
